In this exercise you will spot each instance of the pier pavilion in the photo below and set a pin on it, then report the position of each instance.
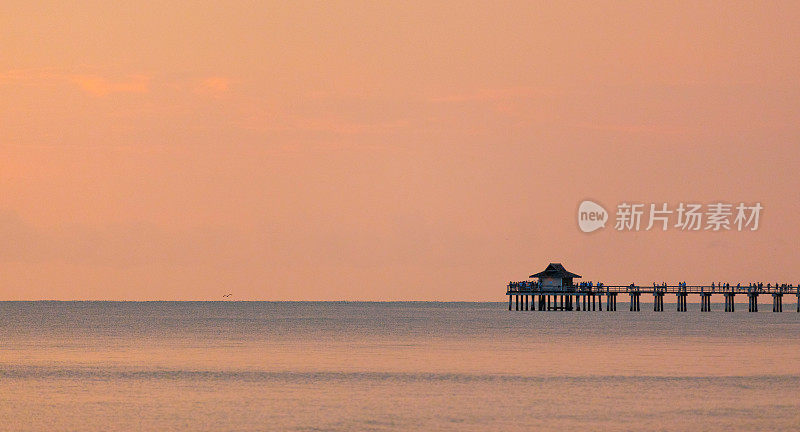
(555, 277)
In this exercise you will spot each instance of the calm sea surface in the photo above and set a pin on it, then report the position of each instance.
(248, 366)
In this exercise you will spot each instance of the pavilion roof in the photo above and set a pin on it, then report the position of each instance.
(555, 270)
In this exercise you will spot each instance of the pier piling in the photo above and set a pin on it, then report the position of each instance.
(777, 302)
(634, 307)
(682, 301)
(658, 301)
(753, 301)
(729, 302)
(705, 302)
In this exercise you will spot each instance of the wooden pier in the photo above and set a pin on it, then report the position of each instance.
(579, 298)
(555, 291)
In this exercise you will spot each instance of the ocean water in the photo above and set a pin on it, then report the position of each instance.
(352, 366)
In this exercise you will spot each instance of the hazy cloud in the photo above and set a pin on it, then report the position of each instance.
(212, 85)
(100, 86)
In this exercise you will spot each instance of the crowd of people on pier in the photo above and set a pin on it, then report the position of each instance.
(758, 287)
(523, 286)
(752, 287)
(535, 285)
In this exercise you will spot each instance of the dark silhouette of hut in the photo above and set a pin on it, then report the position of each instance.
(555, 276)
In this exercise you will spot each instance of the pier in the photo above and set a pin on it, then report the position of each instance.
(554, 290)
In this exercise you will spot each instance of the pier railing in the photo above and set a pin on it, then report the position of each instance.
(513, 289)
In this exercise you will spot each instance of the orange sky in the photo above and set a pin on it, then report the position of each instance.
(367, 150)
